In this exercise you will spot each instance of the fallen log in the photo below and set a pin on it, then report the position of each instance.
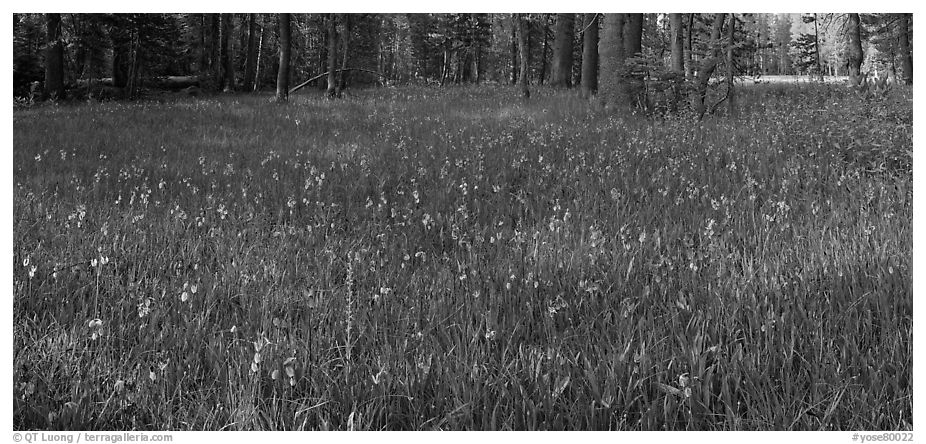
(303, 84)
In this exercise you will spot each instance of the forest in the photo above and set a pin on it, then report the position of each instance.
(528, 221)
(128, 55)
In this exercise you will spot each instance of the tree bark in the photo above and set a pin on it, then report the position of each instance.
(906, 21)
(345, 40)
(731, 90)
(611, 54)
(283, 72)
(855, 55)
(332, 55)
(260, 52)
(228, 67)
(689, 64)
(203, 52)
(633, 47)
(816, 46)
(250, 63)
(590, 55)
(215, 65)
(514, 49)
(54, 58)
(707, 66)
(546, 46)
(677, 44)
(525, 56)
(562, 50)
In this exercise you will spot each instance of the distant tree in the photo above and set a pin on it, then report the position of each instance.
(855, 55)
(285, 47)
(54, 57)
(564, 32)
(590, 54)
(803, 54)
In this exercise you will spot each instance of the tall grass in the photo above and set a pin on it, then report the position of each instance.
(459, 259)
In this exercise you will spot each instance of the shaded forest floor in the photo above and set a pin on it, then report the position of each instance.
(459, 259)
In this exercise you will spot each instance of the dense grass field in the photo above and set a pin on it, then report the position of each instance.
(460, 259)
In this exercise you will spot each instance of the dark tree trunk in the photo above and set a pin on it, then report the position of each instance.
(562, 50)
(332, 55)
(525, 56)
(215, 65)
(611, 54)
(514, 49)
(707, 66)
(203, 51)
(345, 40)
(250, 64)
(633, 47)
(855, 55)
(546, 46)
(283, 72)
(54, 58)
(816, 46)
(906, 21)
(590, 55)
(677, 44)
(228, 67)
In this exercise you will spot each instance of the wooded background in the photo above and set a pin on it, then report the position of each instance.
(641, 59)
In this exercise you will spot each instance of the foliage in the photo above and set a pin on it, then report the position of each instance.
(414, 258)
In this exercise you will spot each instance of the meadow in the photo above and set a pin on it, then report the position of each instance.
(460, 259)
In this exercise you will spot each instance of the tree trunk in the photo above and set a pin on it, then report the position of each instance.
(855, 55)
(228, 67)
(562, 50)
(54, 58)
(611, 55)
(731, 91)
(525, 55)
(816, 46)
(132, 85)
(332, 55)
(689, 63)
(215, 65)
(906, 21)
(546, 45)
(707, 66)
(633, 47)
(283, 71)
(514, 49)
(251, 54)
(203, 52)
(260, 52)
(345, 40)
(590, 55)
(677, 44)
